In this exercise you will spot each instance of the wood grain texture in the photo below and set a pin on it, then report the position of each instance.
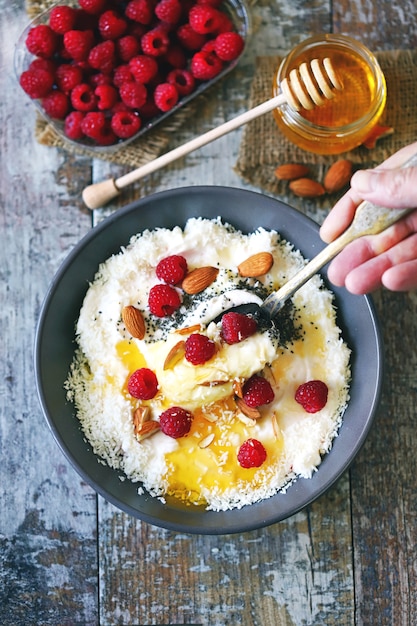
(67, 557)
(47, 515)
(296, 572)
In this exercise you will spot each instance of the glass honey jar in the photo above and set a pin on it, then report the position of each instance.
(345, 121)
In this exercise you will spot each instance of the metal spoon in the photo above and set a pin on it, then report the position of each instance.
(369, 219)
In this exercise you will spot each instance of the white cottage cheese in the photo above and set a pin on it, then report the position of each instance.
(309, 346)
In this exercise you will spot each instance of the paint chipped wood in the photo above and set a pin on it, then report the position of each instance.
(67, 556)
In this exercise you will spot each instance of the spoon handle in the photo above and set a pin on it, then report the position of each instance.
(369, 219)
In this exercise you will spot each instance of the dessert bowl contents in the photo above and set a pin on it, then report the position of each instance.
(221, 414)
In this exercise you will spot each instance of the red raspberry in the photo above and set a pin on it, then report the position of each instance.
(122, 74)
(127, 47)
(111, 25)
(43, 64)
(139, 11)
(125, 124)
(212, 3)
(225, 24)
(172, 269)
(93, 6)
(36, 83)
(165, 96)
(143, 384)
(189, 39)
(68, 76)
(169, 11)
(183, 80)
(72, 125)
(236, 327)
(175, 56)
(107, 97)
(204, 19)
(83, 98)
(199, 349)
(62, 18)
(78, 43)
(133, 94)
(99, 78)
(155, 42)
(149, 109)
(144, 68)
(56, 104)
(41, 41)
(103, 56)
(97, 127)
(257, 391)
(312, 395)
(228, 46)
(205, 65)
(251, 454)
(163, 300)
(175, 422)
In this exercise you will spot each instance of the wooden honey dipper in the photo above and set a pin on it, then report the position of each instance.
(306, 87)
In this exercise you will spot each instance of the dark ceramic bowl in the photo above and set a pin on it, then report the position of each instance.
(54, 352)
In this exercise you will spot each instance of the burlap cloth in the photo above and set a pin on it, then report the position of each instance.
(263, 146)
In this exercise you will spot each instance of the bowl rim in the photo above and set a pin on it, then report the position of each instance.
(303, 491)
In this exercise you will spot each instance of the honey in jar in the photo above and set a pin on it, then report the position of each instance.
(345, 121)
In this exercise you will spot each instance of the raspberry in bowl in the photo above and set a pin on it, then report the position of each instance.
(104, 73)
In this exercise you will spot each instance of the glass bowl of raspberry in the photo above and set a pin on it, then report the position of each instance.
(103, 72)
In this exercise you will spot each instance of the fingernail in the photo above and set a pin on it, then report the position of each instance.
(364, 181)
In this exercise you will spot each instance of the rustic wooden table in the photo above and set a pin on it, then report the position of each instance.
(67, 556)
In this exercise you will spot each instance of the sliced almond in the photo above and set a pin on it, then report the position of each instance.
(248, 421)
(269, 375)
(249, 411)
(175, 355)
(188, 330)
(213, 383)
(204, 443)
(199, 279)
(140, 416)
(238, 387)
(256, 265)
(147, 429)
(134, 322)
(275, 427)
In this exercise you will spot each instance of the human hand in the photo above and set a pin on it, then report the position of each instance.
(390, 258)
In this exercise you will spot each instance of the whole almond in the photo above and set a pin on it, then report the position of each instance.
(338, 176)
(199, 279)
(134, 322)
(307, 188)
(256, 265)
(291, 171)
